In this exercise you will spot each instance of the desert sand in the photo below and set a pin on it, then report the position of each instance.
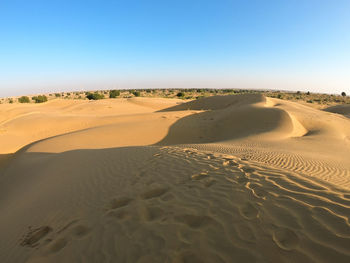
(241, 178)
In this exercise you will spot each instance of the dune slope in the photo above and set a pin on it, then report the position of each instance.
(223, 179)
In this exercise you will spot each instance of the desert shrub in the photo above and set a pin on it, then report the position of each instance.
(39, 99)
(57, 95)
(94, 96)
(136, 93)
(114, 93)
(180, 94)
(343, 94)
(11, 101)
(309, 101)
(68, 94)
(23, 99)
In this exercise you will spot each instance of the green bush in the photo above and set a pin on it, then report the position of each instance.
(94, 96)
(23, 99)
(11, 101)
(136, 93)
(343, 94)
(114, 93)
(57, 95)
(39, 99)
(180, 94)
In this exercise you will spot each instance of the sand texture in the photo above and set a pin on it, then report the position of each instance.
(221, 179)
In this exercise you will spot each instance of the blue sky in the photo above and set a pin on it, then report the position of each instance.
(62, 45)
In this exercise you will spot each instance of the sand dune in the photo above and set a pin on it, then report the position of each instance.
(221, 179)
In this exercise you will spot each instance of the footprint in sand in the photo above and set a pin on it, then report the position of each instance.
(57, 245)
(195, 221)
(120, 202)
(246, 233)
(209, 182)
(199, 176)
(32, 238)
(80, 231)
(156, 192)
(248, 211)
(257, 190)
(285, 238)
(151, 213)
(119, 214)
(248, 169)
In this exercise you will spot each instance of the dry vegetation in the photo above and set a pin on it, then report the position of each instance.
(315, 99)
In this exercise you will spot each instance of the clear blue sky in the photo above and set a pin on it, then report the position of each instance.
(75, 45)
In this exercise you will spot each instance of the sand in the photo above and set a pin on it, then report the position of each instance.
(222, 179)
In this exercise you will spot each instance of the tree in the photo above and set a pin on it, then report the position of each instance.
(114, 93)
(94, 96)
(136, 93)
(39, 99)
(23, 99)
(180, 94)
(343, 94)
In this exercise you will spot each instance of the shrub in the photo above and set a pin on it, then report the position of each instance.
(343, 94)
(114, 93)
(94, 96)
(136, 93)
(180, 94)
(57, 95)
(11, 101)
(39, 99)
(23, 99)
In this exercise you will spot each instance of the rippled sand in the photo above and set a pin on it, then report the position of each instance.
(222, 179)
